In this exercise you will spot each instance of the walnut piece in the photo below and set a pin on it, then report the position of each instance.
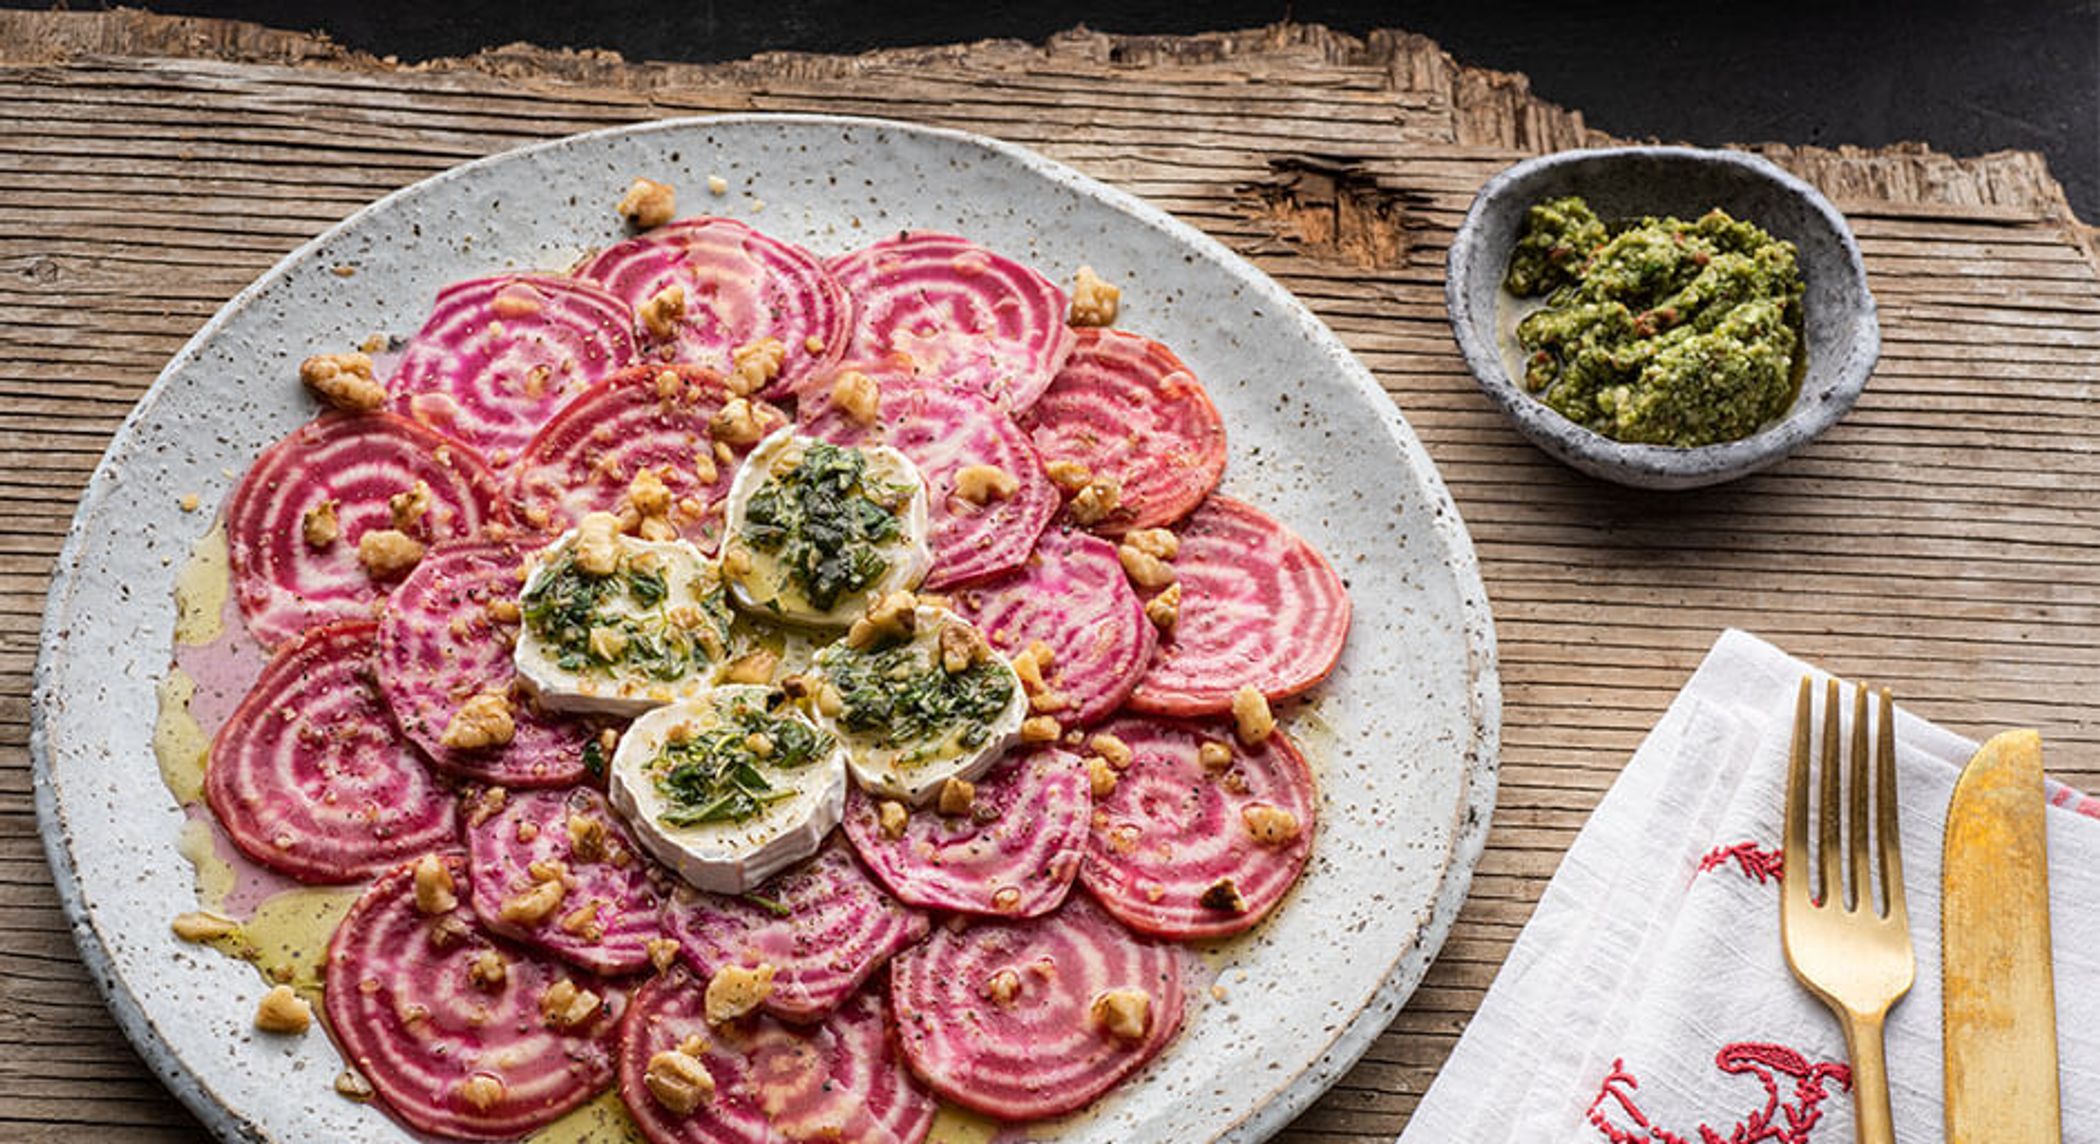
(1112, 749)
(202, 925)
(962, 647)
(1214, 755)
(648, 204)
(735, 990)
(1270, 825)
(1002, 987)
(1101, 776)
(435, 890)
(1040, 729)
(409, 506)
(1252, 721)
(893, 817)
(754, 365)
(1094, 301)
(566, 1006)
(679, 1081)
(319, 525)
(533, 906)
(1094, 503)
(662, 313)
(1164, 610)
(597, 544)
(482, 1091)
(890, 618)
(343, 381)
(737, 423)
(387, 553)
(1144, 569)
(481, 722)
(857, 396)
(983, 484)
(1124, 1013)
(1071, 476)
(284, 1011)
(488, 970)
(1158, 543)
(957, 796)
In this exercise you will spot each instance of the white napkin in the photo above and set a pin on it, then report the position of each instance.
(1648, 999)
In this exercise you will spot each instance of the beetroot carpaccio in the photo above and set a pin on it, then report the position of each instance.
(551, 468)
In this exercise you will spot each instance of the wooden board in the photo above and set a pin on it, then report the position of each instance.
(1945, 539)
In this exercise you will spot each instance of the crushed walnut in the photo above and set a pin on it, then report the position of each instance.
(1214, 755)
(649, 495)
(1164, 610)
(202, 925)
(597, 544)
(893, 818)
(1123, 1013)
(436, 893)
(590, 840)
(1101, 776)
(1094, 503)
(1270, 825)
(891, 618)
(757, 667)
(319, 526)
(1071, 476)
(962, 647)
(343, 381)
(488, 970)
(663, 952)
(481, 722)
(983, 484)
(1252, 721)
(662, 313)
(1112, 749)
(648, 204)
(1223, 896)
(1158, 543)
(957, 796)
(284, 1011)
(409, 506)
(754, 365)
(387, 553)
(533, 906)
(1094, 301)
(737, 423)
(1144, 569)
(1002, 987)
(482, 1091)
(565, 1005)
(735, 990)
(1040, 729)
(679, 1080)
(857, 396)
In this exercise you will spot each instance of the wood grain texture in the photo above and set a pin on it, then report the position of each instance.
(1944, 539)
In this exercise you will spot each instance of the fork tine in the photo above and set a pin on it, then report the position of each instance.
(1828, 857)
(1793, 871)
(1886, 826)
(1858, 807)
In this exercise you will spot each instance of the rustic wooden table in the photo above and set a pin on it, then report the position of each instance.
(1945, 539)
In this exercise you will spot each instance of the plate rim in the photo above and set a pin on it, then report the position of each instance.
(1480, 755)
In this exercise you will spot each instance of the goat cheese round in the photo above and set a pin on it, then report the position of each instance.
(917, 698)
(817, 531)
(729, 786)
(611, 624)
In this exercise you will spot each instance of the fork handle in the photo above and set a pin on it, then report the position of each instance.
(1870, 1078)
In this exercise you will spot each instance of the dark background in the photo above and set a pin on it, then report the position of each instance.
(1967, 78)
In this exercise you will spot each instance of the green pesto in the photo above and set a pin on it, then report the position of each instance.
(899, 699)
(719, 775)
(566, 603)
(1665, 332)
(822, 519)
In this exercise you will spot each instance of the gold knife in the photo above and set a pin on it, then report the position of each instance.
(1997, 985)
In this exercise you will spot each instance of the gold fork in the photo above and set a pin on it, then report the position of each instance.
(1853, 956)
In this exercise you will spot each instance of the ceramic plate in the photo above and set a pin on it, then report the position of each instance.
(1403, 737)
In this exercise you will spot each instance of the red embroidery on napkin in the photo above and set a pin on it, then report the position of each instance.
(1749, 858)
(1778, 1122)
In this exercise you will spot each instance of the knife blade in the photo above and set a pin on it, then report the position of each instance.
(1997, 984)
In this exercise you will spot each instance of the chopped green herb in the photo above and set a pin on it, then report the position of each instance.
(822, 519)
(594, 759)
(566, 605)
(772, 906)
(896, 694)
(720, 774)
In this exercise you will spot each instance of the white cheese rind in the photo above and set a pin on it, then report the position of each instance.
(687, 576)
(910, 556)
(878, 769)
(725, 858)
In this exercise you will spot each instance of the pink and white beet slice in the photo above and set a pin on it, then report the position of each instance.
(945, 430)
(446, 638)
(958, 314)
(451, 1046)
(499, 355)
(1001, 1016)
(356, 463)
(613, 906)
(1184, 850)
(840, 1080)
(739, 286)
(1072, 594)
(1015, 853)
(1260, 608)
(308, 775)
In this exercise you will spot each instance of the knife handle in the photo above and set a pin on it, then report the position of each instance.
(1870, 1078)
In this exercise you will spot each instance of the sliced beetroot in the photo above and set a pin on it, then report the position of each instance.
(1259, 607)
(423, 1004)
(308, 775)
(774, 1082)
(613, 904)
(944, 431)
(960, 314)
(740, 286)
(1071, 594)
(1184, 850)
(356, 463)
(499, 355)
(824, 926)
(999, 1016)
(446, 638)
(651, 416)
(1126, 409)
(1014, 854)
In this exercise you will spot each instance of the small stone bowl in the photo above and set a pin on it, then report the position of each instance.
(1842, 340)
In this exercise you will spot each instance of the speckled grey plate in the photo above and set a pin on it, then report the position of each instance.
(1404, 736)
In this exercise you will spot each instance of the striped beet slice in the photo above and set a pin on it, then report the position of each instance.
(824, 926)
(1182, 850)
(1126, 409)
(740, 286)
(451, 1025)
(774, 1082)
(614, 903)
(447, 638)
(944, 431)
(308, 775)
(959, 313)
(999, 1016)
(651, 416)
(1014, 854)
(356, 463)
(1071, 594)
(1259, 607)
(499, 355)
